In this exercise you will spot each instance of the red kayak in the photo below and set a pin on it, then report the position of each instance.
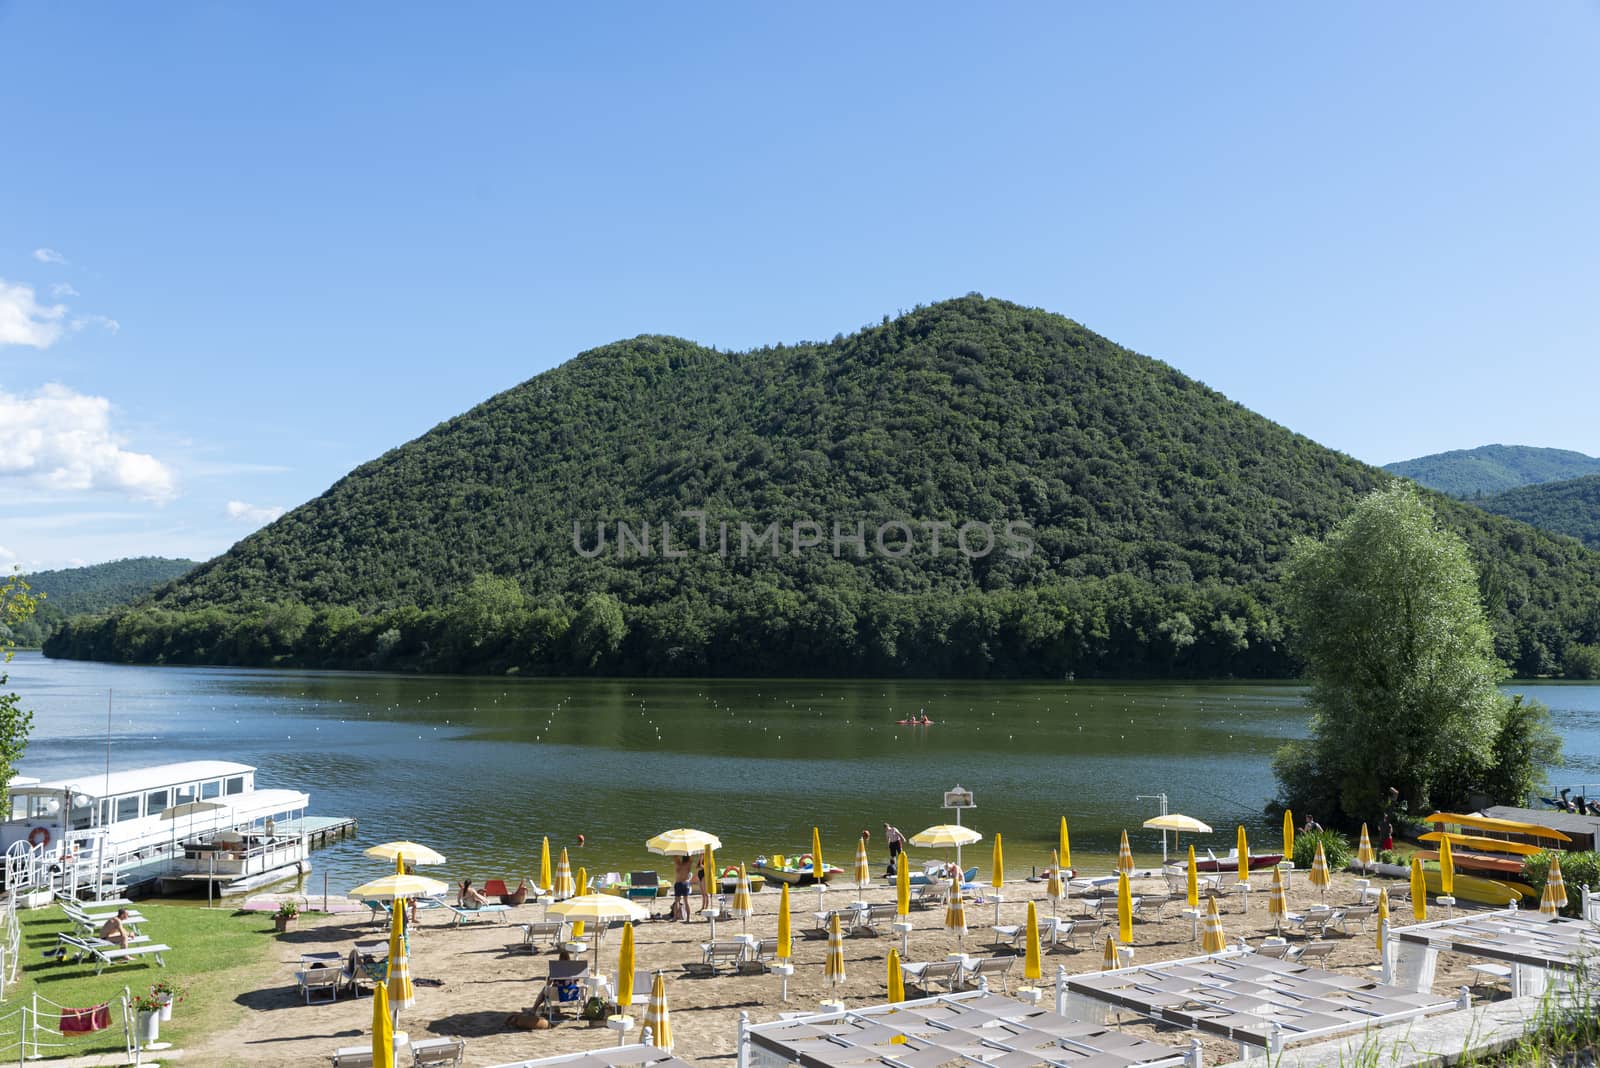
(1231, 862)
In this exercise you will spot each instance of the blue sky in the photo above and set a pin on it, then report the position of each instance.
(244, 247)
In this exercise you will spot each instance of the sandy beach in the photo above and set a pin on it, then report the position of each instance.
(470, 979)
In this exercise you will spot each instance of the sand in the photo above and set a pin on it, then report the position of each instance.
(485, 974)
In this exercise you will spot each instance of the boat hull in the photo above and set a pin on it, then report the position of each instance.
(1495, 867)
(802, 877)
(1257, 862)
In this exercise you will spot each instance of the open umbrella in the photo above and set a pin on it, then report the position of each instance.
(1288, 835)
(1064, 846)
(392, 887)
(1108, 961)
(1419, 891)
(1124, 909)
(1212, 940)
(602, 909)
(656, 1018)
(833, 966)
(1277, 906)
(410, 852)
(1053, 888)
(1364, 854)
(382, 1030)
(785, 943)
(945, 836)
(863, 871)
(742, 906)
(1243, 850)
(625, 955)
(1030, 956)
(1177, 823)
(682, 842)
(1125, 856)
(1320, 877)
(546, 881)
(955, 913)
(564, 887)
(897, 982)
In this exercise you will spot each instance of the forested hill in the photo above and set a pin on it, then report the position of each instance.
(1157, 512)
(1571, 507)
(95, 588)
(1494, 468)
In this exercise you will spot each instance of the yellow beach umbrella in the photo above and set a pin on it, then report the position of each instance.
(682, 842)
(563, 885)
(1192, 882)
(817, 868)
(1277, 907)
(656, 1018)
(709, 882)
(382, 1030)
(1030, 956)
(1053, 888)
(1125, 856)
(603, 909)
(1383, 915)
(1124, 908)
(410, 852)
(394, 887)
(902, 889)
(1108, 960)
(581, 885)
(955, 912)
(863, 871)
(1447, 869)
(897, 982)
(1419, 891)
(401, 993)
(945, 836)
(1288, 835)
(546, 881)
(833, 965)
(1177, 822)
(742, 905)
(1243, 849)
(625, 956)
(1555, 883)
(1212, 940)
(1320, 876)
(997, 877)
(1364, 854)
(785, 944)
(1064, 846)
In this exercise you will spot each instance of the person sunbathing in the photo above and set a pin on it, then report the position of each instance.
(116, 929)
(469, 897)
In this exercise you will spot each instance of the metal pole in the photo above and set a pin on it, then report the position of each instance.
(212, 880)
(324, 891)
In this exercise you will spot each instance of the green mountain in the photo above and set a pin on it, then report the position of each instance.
(1493, 468)
(1149, 517)
(97, 588)
(1571, 507)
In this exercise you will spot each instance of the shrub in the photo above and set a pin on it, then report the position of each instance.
(1577, 870)
(1334, 845)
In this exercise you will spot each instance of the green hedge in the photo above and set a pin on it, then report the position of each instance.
(1334, 845)
(1577, 870)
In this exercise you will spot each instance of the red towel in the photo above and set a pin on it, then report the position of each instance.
(82, 1021)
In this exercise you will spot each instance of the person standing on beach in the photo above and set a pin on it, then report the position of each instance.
(897, 845)
(682, 869)
(1388, 834)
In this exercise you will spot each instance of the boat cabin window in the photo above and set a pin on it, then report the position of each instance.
(43, 806)
(82, 812)
(128, 808)
(210, 789)
(182, 795)
(155, 802)
(236, 784)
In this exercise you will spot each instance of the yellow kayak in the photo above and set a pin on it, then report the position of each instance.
(1488, 823)
(1482, 845)
(1477, 889)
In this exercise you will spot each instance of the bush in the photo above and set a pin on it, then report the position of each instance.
(1577, 870)
(1334, 845)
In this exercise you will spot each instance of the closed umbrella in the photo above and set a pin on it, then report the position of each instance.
(1192, 882)
(955, 913)
(656, 1018)
(1212, 940)
(581, 886)
(1243, 850)
(1383, 915)
(546, 881)
(1030, 956)
(563, 885)
(1064, 846)
(902, 890)
(410, 852)
(897, 982)
(1124, 909)
(997, 875)
(1277, 907)
(833, 966)
(742, 905)
(863, 872)
(682, 842)
(1125, 856)
(1052, 889)
(382, 1030)
(625, 957)
(401, 992)
(709, 883)
(818, 870)
(1364, 854)
(1288, 835)
(1419, 891)
(1555, 883)
(1320, 876)
(1108, 961)
(1447, 869)
(785, 943)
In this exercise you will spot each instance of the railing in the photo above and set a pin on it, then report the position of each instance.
(237, 862)
(26, 1034)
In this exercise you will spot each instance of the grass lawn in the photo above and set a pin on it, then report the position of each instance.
(216, 955)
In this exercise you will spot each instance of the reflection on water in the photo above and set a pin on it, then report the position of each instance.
(482, 769)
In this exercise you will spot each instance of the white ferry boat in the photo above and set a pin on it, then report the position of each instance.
(101, 832)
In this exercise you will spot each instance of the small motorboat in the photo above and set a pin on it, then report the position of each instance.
(729, 880)
(796, 871)
(1212, 862)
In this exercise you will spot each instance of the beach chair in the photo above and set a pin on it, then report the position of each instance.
(925, 976)
(510, 898)
(564, 984)
(546, 932)
(104, 956)
(729, 951)
(643, 886)
(757, 957)
(320, 982)
(482, 912)
(1154, 903)
(1359, 913)
(825, 918)
(930, 895)
(1282, 950)
(79, 913)
(988, 969)
(353, 1057)
(1088, 929)
(1317, 951)
(866, 920)
(378, 912)
(438, 1053)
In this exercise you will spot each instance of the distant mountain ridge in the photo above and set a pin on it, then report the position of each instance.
(1571, 507)
(95, 588)
(1494, 468)
(1158, 510)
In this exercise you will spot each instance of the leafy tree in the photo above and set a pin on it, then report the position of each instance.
(598, 631)
(16, 605)
(1403, 674)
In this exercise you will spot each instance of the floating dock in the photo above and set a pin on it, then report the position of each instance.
(319, 830)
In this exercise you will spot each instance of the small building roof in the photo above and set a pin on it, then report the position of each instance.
(134, 780)
(1572, 824)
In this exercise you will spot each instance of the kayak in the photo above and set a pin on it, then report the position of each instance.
(1482, 845)
(1489, 823)
(1466, 860)
(1231, 862)
(1474, 888)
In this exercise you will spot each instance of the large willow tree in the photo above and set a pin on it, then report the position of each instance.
(1404, 679)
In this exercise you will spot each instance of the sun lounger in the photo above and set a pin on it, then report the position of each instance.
(1359, 913)
(109, 953)
(482, 912)
(1317, 951)
(78, 912)
(988, 969)
(510, 898)
(71, 945)
(924, 976)
(824, 920)
(930, 895)
(866, 920)
(546, 932)
(353, 1057)
(643, 886)
(1075, 929)
(438, 1053)
(320, 982)
(564, 984)
(1317, 921)
(723, 951)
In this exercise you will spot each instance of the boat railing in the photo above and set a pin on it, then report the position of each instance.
(248, 860)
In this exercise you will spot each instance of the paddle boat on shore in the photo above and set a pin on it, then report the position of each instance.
(796, 871)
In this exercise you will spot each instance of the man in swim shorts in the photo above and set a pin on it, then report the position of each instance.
(682, 869)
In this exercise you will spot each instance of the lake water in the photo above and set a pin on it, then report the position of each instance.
(481, 769)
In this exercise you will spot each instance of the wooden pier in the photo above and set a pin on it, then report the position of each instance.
(319, 830)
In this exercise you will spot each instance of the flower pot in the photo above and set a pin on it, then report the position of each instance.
(166, 1008)
(283, 923)
(150, 1027)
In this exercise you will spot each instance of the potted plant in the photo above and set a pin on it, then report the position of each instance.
(167, 994)
(288, 912)
(148, 1011)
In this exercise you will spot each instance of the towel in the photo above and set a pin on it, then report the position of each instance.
(82, 1021)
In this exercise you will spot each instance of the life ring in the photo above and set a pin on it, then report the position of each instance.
(730, 873)
(805, 861)
(39, 836)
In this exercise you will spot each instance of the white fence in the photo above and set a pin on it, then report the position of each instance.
(33, 1030)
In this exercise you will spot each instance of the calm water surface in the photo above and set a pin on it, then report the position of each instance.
(481, 769)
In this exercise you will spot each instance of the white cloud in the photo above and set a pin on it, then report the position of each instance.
(62, 440)
(48, 255)
(259, 514)
(105, 322)
(63, 289)
(24, 321)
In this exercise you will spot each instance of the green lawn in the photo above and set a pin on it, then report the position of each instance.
(216, 955)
